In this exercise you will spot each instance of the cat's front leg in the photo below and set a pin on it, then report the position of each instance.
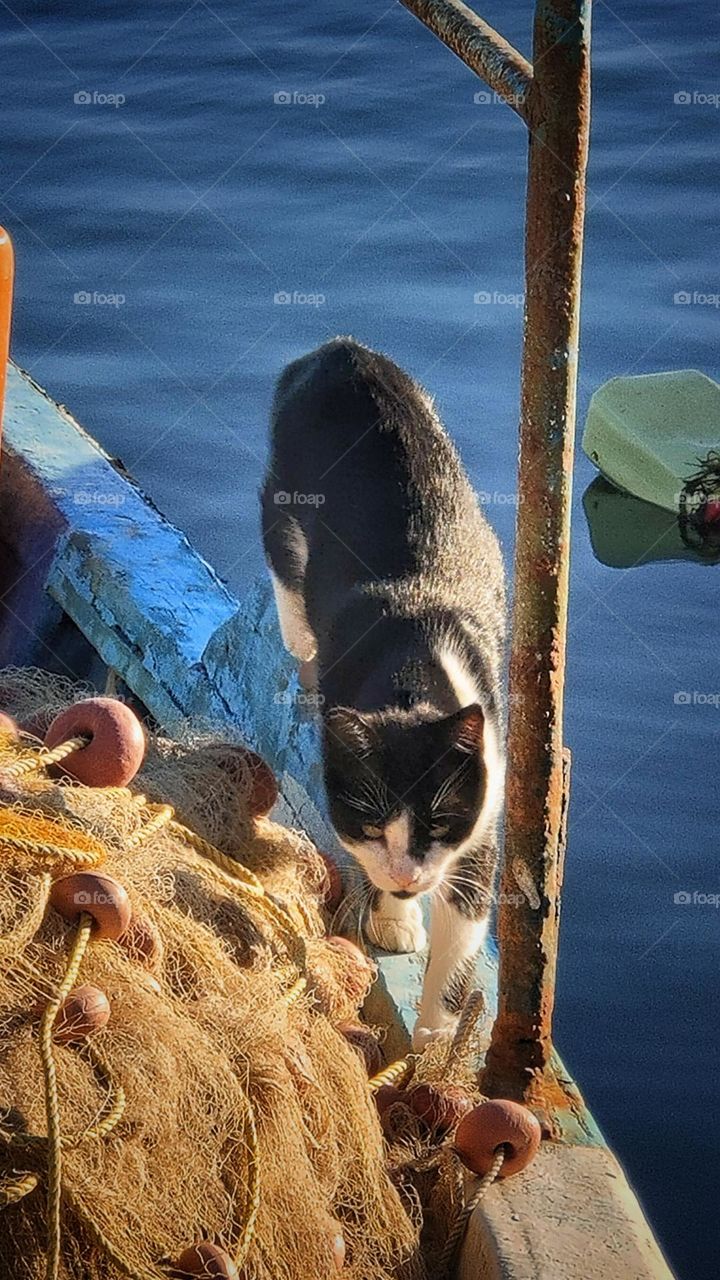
(396, 924)
(458, 930)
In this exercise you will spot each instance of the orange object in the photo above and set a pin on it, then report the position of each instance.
(494, 1124)
(439, 1106)
(7, 268)
(143, 943)
(365, 1044)
(116, 748)
(84, 1011)
(98, 896)
(206, 1259)
(263, 788)
(385, 1098)
(337, 1244)
(8, 725)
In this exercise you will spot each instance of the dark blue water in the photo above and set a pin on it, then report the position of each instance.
(382, 210)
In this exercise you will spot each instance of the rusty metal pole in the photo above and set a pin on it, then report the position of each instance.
(558, 119)
(479, 46)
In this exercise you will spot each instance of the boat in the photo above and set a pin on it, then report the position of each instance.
(97, 583)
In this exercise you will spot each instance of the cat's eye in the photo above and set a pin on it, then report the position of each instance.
(372, 833)
(438, 832)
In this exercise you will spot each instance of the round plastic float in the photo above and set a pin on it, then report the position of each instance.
(439, 1107)
(83, 1012)
(116, 748)
(206, 1260)
(494, 1124)
(98, 896)
(8, 725)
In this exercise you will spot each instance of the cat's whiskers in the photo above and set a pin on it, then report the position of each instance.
(446, 786)
(355, 905)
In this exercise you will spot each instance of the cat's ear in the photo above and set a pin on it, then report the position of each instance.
(467, 728)
(348, 730)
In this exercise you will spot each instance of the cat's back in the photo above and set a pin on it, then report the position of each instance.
(360, 437)
(350, 412)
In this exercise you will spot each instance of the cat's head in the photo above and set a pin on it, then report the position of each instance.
(406, 790)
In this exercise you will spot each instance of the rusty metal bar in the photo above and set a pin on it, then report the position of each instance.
(557, 113)
(479, 46)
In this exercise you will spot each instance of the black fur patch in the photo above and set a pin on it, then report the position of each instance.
(459, 984)
(470, 883)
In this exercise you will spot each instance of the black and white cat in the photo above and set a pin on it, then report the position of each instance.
(389, 579)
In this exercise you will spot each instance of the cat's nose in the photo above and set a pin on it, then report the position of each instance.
(407, 879)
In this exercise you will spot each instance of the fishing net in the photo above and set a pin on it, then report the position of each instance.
(219, 1102)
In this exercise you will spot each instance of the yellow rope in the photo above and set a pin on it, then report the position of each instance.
(465, 1209)
(46, 844)
(296, 990)
(115, 1104)
(15, 1187)
(472, 1011)
(161, 818)
(52, 1109)
(253, 1192)
(397, 1073)
(43, 758)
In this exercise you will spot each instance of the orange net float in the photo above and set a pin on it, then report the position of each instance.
(365, 1044)
(116, 746)
(439, 1107)
(7, 271)
(362, 971)
(8, 726)
(143, 943)
(96, 895)
(85, 1010)
(337, 1244)
(207, 1260)
(263, 792)
(498, 1123)
(385, 1098)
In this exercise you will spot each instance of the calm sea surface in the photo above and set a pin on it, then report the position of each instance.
(188, 195)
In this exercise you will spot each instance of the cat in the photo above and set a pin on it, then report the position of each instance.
(389, 581)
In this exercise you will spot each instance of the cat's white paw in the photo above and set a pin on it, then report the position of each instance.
(431, 1027)
(397, 925)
